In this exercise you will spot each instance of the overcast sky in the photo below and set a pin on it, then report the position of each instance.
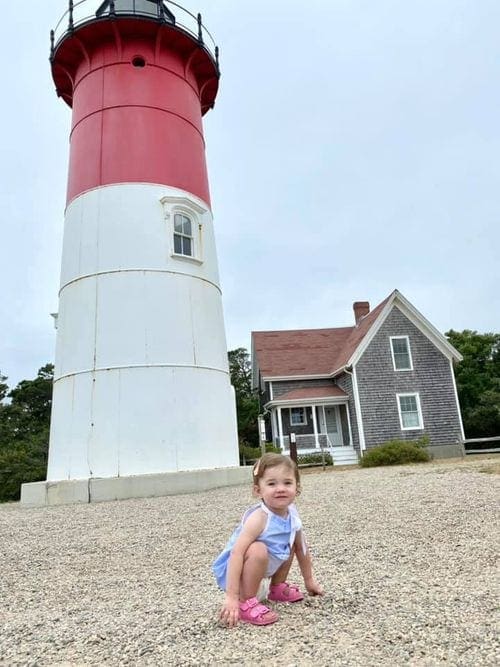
(353, 149)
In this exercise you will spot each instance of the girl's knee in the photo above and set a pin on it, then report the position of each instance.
(257, 551)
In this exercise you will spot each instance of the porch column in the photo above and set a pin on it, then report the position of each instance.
(315, 426)
(280, 429)
(328, 443)
(274, 426)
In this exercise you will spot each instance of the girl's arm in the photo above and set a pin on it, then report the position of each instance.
(252, 528)
(305, 564)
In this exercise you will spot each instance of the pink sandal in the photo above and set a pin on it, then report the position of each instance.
(252, 611)
(284, 593)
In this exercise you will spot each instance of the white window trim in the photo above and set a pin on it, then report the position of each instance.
(182, 235)
(419, 411)
(195, 235)
(184, 206)
(409, 354)
(303, 423)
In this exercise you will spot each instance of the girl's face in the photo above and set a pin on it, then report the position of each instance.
(277, 488)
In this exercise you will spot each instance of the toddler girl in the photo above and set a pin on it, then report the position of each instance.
(263, 545)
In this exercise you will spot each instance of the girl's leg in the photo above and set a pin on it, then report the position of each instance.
(280, 590)
(281, 574)
(254, 570)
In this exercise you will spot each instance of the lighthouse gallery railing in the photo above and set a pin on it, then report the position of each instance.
(84, 11)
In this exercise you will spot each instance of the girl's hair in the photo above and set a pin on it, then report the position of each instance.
(270, 460)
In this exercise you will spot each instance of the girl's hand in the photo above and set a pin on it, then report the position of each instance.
(313, 588)
(230, 611)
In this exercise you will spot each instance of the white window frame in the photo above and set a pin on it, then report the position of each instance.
(188, 208)
(392, 338)
(419, 412)
(304, 412)
(183, 235)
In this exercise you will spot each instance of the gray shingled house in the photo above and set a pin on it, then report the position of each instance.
(351, 388)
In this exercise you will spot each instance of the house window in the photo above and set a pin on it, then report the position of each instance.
(410, 414)
(183, 235)
(401, 355)
(297, 416)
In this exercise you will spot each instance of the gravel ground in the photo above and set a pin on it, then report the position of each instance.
(406, 555)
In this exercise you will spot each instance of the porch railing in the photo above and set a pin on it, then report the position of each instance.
(306, 441)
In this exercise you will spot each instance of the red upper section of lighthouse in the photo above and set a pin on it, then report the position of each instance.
(138, 88)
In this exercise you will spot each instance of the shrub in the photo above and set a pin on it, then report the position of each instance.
(314, 459)
(395, 452)
(250, 454)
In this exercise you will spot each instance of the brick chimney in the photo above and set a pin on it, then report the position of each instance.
(361, 308)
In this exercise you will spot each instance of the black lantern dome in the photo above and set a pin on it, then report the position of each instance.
(152, 8)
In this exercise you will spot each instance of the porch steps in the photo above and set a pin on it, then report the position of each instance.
(344, 456)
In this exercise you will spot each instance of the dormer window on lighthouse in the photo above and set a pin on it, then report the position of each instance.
(185, 220)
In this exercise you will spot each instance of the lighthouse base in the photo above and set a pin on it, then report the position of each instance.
(95, 489)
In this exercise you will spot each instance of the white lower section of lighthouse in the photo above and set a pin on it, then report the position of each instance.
(141, 380)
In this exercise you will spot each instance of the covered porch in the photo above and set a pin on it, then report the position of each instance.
(319, 418)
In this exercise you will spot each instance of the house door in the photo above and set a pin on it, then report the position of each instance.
(333, 425)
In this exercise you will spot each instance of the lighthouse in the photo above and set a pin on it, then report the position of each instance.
(142, 390)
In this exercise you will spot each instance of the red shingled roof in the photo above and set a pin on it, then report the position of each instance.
(310, 351)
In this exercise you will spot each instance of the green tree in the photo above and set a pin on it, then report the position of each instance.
(4, 387)
(478, 381)
(24, 433)
(247, 401)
